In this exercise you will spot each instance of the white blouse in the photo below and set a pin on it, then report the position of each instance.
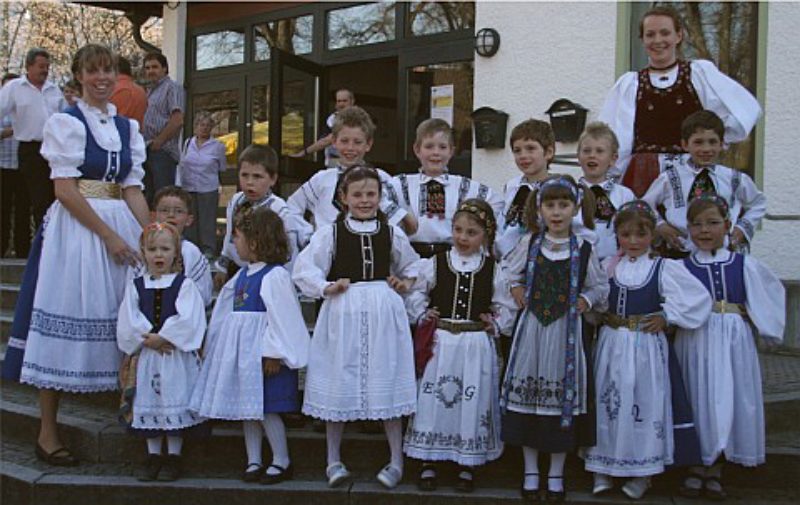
(184, 330)
(64, 142)
(314, 262)
(717, 92)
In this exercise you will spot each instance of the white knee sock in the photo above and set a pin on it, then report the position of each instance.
(555, 478)
(334, 432)
(154, 445)
(394, 434)
(252, 441)
(531, 457)
(174, 445)
(276, 435)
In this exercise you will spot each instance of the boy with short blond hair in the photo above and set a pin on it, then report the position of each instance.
(687, 176)
(432, 196)
(173, 205)
(353, 131)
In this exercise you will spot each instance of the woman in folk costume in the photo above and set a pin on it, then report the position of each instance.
(646, 108)
(464, 294)
(719, 359)
(547, 393)
(64, 334)
(632, 370)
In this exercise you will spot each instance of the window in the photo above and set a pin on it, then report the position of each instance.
(293, 35)
(219, 49)
(361, 25)
(426, 18)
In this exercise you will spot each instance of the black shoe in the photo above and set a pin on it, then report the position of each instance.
(171, 469)
(253, 472)
(714, 494)
(465, 484)
(285, 474)
(690, 491)
(150, 469)
(555, 496)
(59, 457)
(529, 495)
(427, 483)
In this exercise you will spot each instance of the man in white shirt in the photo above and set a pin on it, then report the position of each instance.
(31, 100)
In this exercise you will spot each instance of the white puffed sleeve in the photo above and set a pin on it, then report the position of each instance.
(595, 285)
(131, 323)
(314, 262)
(138, 155)
(732, 102)
(196, 267)
(404, 257)
(505, 309)
(390, 203)
(514, 263)
(64, 146)
(286, 335)
(619, 112)
(766, 299)
(185, 329)
(418, 299)
(687, 303)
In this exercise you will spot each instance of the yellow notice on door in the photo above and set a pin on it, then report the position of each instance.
(442, 102)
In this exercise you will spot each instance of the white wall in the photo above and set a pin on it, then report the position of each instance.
(778, 242)
(547, 51)
(174, 43)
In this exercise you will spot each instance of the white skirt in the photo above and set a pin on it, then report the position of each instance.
(72, 342)
(634, 407)
(723, 380)
(458, 409)
(534, 381)
(164, 385)
(361, 361)
(231, 381)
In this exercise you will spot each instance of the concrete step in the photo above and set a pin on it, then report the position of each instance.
(11, 270)
(8, 296)
(6, 318)
(25, 481)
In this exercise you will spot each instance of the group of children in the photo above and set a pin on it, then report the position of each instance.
(563, 271)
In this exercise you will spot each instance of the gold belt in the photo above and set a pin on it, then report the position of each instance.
(90, 188)
(723, 307)
(632, 323)
(459, 327)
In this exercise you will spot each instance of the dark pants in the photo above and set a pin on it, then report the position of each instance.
(203, 231)
(36, 172)
(159, 172)
(14, 201)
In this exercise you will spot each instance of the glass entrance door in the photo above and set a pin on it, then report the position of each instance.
(294, 97)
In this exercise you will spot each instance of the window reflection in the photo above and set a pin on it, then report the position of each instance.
(219, 49)
(361, 25)
(293, 35)
(259, 105)
(426, 18)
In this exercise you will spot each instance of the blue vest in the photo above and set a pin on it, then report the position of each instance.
(247, 290)
(643, 299)
(99, 164)
(158, 304)
(723, 280)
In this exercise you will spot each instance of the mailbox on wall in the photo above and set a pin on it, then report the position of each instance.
(567, 119)
(490, 128)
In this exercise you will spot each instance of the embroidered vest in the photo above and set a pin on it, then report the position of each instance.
(723, 280)
(99, 164)
(462, 295)
(660, 112)
(158, 304)
(633, 301)
(247, 290)
(361, 256)
(549, 299)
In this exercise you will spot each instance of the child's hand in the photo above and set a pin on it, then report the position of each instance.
(654, 323)
(489, 326)
(518, 293)
(220, 278)
(671, 235)
(737, 238)
(432, 314)
(400, 285)
(410, 224)
(582, 305)
(271, 366)
(157, 343)
(337, 287)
